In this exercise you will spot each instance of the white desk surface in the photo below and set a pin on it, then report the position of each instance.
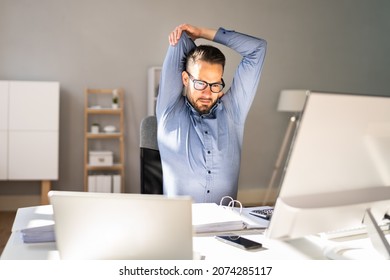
(311, 247)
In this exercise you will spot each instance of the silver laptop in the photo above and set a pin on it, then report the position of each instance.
(122, 226)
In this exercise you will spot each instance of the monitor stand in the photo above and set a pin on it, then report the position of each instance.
(380, 248)
(376, 235)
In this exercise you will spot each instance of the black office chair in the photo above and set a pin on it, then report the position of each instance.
(151, 171)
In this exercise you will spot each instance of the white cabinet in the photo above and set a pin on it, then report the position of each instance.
(3, 106)
(3, 154)
(3, 130)
(29, 130)
(34, 106)
(37, 160)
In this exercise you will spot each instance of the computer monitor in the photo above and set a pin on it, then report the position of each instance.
(337, 168)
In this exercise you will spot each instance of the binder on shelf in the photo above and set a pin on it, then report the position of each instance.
(92, 183)
(104, 183)
(107, 186)
(116, 183)
(211, 218)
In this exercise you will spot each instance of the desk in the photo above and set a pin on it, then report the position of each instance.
(311, 247)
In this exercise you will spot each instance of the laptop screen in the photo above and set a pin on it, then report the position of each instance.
(122, 226)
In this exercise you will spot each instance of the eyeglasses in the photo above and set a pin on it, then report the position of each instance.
(201, 85)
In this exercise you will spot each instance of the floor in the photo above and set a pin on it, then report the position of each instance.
(6, 221)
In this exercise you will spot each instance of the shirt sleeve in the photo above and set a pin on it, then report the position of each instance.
(171, 85)
(239, 97)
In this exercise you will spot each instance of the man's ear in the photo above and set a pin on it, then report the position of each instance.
(185, 78)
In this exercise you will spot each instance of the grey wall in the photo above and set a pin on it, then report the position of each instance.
(312, 44)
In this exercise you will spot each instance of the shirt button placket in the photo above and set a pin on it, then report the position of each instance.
(208, 159)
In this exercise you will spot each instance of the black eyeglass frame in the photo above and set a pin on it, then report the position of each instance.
(222, 84)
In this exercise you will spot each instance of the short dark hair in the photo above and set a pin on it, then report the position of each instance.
(206, 53)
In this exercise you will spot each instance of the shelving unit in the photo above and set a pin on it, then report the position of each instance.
(98, 109)
(153, 84)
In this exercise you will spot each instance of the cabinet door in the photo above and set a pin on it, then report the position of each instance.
(33, 130)
(3, 155)
(33, 155)
(3, 105)
(3, 129)
(34, 105)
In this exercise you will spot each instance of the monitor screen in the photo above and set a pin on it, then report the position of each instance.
(338, 166)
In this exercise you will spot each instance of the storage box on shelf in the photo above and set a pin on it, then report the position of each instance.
(104, 159)
(101, 158)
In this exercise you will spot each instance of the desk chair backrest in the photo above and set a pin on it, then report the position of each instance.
(151, 171)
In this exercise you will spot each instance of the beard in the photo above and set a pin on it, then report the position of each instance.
(202, 105)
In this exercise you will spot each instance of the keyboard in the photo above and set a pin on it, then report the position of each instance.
(263, 213)
(348, 232)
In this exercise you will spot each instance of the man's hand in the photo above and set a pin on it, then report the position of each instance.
(192, 31)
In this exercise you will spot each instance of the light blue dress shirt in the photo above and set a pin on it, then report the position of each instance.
(200, 154)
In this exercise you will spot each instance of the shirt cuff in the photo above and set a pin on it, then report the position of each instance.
(223, 35)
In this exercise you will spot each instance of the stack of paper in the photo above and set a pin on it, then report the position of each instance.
(38, 234)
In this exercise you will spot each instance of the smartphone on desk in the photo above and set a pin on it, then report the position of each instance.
(239, 242)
